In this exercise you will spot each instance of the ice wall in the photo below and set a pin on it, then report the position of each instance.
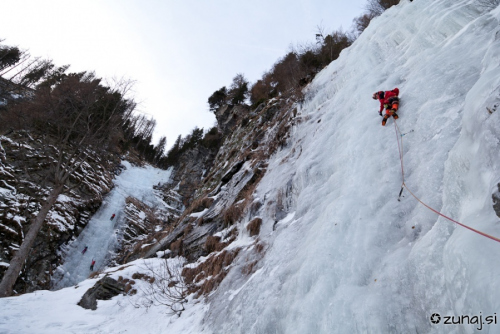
(353, 259)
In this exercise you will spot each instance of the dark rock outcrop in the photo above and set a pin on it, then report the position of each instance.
(496, 201)
(225, 179)
(104, 289)
(190, 171)
(228, 116)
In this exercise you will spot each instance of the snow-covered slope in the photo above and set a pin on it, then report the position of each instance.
(342, 255)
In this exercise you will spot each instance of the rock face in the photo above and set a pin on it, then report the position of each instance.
(496, 201)
(25, 180)
(190, 171)
(229, 116)
(104, 289)
(142, 222)
(217, 187)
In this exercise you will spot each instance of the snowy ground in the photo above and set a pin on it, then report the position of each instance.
(350, 258)
(101, 233)
(57, 312)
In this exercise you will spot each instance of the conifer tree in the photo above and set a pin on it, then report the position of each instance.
(87, 113)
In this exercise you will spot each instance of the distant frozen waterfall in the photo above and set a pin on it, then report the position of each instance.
(100, 236)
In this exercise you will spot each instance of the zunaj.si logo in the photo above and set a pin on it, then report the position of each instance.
(464, 320)
(435, 318)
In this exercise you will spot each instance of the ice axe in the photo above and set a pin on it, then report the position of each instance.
(407, 133)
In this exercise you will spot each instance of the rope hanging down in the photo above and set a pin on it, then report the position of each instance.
(399, 138)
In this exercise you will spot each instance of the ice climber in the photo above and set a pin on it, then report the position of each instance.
(84, 250)
(112, 217)
(92, 265)
(388, 100)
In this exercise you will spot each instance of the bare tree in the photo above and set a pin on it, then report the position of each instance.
(166, 286)
(362, 22)
(262, 89)
(377, 7)
(80, 115)
(286, 74)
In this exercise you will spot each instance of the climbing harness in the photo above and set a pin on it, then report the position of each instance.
(399, 137)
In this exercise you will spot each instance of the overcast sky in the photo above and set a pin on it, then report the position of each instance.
(178, 52)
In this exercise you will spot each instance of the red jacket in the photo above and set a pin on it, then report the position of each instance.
(383, 100)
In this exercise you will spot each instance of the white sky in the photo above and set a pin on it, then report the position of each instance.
(179, 52)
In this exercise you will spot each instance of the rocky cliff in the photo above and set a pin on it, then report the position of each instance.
(216, 189)
(25, 180)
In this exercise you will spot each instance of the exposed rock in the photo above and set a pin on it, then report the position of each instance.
(141, 223)
(228, 117)
(225, 179)
(189, 172)
(104, 289)
(496, 201)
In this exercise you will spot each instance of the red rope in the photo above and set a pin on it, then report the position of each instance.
(400, 148)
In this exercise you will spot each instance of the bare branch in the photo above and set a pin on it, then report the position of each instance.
(166, 286)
